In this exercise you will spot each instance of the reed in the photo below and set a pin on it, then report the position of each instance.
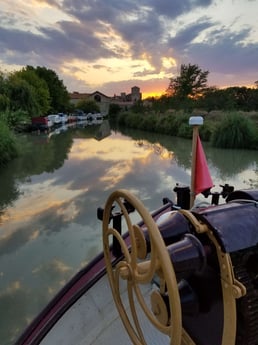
(235, 131)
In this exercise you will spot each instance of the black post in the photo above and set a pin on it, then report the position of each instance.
(117, 225)
(215, 198)
(183, 196)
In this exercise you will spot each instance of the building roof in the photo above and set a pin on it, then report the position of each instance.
(78, 95)
(100, 93)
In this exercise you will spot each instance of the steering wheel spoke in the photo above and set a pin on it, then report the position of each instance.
(131, 279)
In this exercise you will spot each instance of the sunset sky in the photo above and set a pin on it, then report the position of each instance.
(112, 45)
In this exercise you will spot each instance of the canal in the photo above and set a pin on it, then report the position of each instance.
(50, 194)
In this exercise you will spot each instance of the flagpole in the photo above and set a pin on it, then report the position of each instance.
(195, 122)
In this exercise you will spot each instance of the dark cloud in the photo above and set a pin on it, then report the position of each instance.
(175, 8)
(185, 36)
(227, 55)
(150, 29)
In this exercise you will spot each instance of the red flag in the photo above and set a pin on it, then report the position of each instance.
(203, 179)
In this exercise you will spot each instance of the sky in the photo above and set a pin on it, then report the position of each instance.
(112, 45)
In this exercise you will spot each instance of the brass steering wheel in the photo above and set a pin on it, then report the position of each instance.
(139, 266)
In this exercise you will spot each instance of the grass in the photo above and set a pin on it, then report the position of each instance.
(225, 130)
(8, 144)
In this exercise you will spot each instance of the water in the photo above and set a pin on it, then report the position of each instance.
(49, 198)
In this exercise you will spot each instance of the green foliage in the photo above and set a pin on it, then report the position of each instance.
(40, 91)
(190, 90)
(185, 131)
(190, 83)
(148, 123)
(88, 106)
(206, 130)
(22, 95)
(163, 124)
(4, 99)
(59, 96)
(120, 119)
(8, 145)
(161, 104)
(138, 107)
(172, 124)
(229, 99)
(114, 110)
(14, 118)
(132, 120)
(4, 102)
(234, 131)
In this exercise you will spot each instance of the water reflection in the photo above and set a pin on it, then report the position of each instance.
(237, 166)
(49, 198)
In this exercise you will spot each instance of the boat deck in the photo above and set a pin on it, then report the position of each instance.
(94, 320)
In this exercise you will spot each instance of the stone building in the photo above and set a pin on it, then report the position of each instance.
(102, 100)
(125, 101)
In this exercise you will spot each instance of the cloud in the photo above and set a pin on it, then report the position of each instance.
(228, 57)
(173, 9)
(129, 40)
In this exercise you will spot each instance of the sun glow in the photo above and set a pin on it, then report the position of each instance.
(107, 70)
(112, 40)
(168, 62)
(153, 94)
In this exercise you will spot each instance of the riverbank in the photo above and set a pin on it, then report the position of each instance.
(237, 130)
(8, 144)
(234, 130)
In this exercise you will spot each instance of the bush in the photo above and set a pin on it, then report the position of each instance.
(178, 125)
(8, 145)
(14, 118)
(235, 131)
(132, 120)
(114, 110)
(185, 131)
(148, 123)
(223, 130)
(206, 130)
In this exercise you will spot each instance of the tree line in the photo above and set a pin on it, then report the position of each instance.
(31, 91)
(34, 91)
(24, 94)
(189, 90)
(234, 124)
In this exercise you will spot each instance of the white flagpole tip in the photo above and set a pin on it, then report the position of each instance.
(196, 121)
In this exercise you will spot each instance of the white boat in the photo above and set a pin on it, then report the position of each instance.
(95, 118)
(55, 118)
(63, 117)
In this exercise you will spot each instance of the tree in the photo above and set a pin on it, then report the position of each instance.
(22, 95)
(39, 89)
(59, 96)
(217, 99)
(88, 106)
(4, 99)
(8, 145)
(191, 82)
(114, 109)
(138, 107)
